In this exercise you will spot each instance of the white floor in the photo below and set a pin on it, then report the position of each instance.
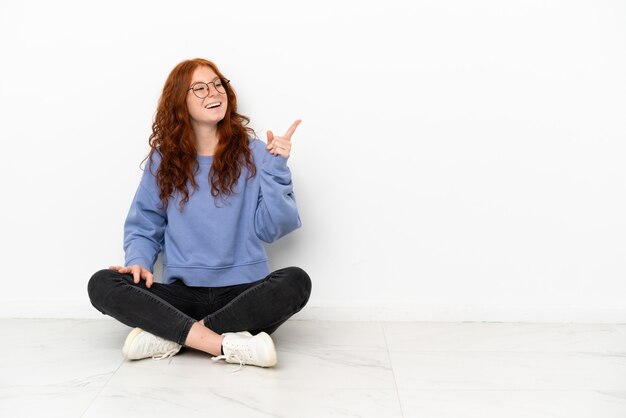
(74, 368)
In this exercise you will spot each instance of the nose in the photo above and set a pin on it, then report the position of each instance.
(215, 92)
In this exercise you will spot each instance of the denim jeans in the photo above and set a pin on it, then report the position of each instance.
(169, 310)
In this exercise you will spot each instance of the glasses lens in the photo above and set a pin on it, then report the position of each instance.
(220, 86)
(200, 90)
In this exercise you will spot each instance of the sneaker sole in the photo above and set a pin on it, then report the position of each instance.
(270, 342)
(129, 342)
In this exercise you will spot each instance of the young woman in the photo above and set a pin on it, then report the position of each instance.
(212, 192)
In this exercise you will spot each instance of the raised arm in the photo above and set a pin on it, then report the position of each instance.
(276, 213)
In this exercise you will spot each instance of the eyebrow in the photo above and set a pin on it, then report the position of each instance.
(200, 81)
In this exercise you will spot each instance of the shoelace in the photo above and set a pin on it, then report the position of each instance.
(234, 355)
(165, 355)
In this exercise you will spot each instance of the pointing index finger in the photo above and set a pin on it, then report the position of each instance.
(292, 129)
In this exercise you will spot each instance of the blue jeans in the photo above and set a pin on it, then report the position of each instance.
(170, 310)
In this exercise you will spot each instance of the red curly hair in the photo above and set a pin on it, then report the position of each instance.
(173, 138)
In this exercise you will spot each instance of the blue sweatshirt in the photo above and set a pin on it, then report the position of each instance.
(208, 245)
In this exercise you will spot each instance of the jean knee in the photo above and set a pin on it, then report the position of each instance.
(99, 282)
(303, 283)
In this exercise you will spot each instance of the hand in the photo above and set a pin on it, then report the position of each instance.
(281, 145)
(137, 271)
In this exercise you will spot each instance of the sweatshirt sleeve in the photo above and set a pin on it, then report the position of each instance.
(276, 213)
(144, 229)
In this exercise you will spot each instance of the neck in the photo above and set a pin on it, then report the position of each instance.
(206, 138)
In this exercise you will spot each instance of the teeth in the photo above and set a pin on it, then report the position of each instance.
(211, 105)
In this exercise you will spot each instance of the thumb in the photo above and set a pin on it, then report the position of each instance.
(270, 137)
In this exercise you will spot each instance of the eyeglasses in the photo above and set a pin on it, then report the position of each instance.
(201, 89)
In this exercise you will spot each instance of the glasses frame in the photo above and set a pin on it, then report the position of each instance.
(224, 82)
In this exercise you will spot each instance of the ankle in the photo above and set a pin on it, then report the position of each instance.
(202, 338)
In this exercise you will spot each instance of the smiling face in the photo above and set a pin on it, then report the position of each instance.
(204, 111)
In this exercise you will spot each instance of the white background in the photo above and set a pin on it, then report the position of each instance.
(457, 160)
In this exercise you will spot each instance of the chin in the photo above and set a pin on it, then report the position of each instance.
(214, 121)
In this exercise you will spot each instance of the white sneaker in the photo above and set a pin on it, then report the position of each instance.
(141, 344)
(243, 348)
